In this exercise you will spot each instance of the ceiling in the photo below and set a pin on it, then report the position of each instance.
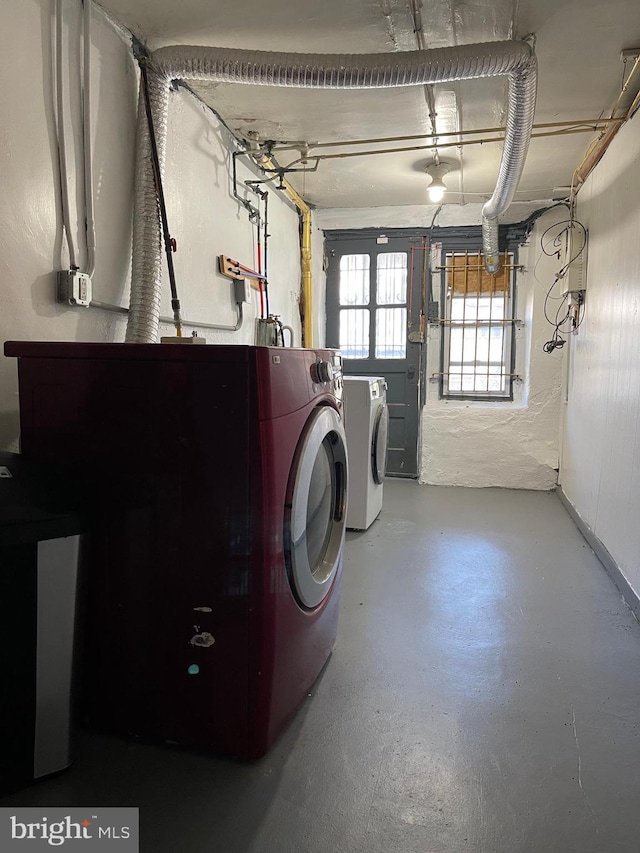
(578, 44)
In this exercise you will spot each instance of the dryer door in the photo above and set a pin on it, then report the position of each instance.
(315, 515)
(379, 444)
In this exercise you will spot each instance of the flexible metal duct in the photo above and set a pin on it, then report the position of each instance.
(146, 262)
(513, 58)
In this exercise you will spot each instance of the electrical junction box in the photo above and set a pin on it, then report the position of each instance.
(574, 279)
(73, 288)
(242, 290)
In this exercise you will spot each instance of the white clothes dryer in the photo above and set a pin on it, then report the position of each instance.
(366, 420)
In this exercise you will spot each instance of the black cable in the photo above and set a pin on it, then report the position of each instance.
(181, 84)
(531, 220)
(168, 244)
(426, 243)
(548, 296)
(557, 341)
(567, 313)
(556, 242)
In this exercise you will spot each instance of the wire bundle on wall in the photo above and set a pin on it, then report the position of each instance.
(570, 310)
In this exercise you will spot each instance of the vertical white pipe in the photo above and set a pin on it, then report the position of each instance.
(90, 226)
(62, 143)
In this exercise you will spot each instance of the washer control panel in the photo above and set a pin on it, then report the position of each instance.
(326, 370)
(322, 371)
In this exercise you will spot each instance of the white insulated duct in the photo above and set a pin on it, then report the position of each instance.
(146, 262)
(320, 71)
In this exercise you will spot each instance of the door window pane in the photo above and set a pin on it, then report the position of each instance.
(354, 279)
(354, 332)
(391, 333)
(392, 278)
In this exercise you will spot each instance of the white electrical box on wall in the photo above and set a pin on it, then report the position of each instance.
(242, 290)
(74, 288)
(574, 279)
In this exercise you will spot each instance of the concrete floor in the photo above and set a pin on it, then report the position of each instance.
(484, 696)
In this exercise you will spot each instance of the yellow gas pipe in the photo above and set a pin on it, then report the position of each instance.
(307, 289)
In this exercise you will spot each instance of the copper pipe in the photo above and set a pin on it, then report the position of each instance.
(445, 145)
(597, 149)
(592, 124)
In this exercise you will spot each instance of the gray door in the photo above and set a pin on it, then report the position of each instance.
(374, 300)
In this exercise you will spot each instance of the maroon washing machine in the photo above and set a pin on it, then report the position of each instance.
(217, 482)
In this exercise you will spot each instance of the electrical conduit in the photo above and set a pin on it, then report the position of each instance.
(514, 59)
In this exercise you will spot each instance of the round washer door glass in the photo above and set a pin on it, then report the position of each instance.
(379, 442)
(315, 517)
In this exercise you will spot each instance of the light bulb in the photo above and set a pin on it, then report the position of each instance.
(437, 188)
(436, 191)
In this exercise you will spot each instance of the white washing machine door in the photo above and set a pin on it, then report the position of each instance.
(379, 441)
(315, 515)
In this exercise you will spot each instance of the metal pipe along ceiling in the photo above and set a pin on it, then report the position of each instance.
(515, 59)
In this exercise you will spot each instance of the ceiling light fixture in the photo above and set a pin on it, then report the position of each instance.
(437, 188)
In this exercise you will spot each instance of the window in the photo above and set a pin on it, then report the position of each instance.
(354, 291)
(391, 289)
(478, 328)
(357, 305)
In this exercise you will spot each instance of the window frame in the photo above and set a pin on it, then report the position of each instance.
(509, 343)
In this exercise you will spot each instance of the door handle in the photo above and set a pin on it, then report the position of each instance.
(411, 372)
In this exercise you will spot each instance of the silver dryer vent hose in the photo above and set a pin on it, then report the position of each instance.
(515, 59)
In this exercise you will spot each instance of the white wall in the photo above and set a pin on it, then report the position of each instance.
(600, 472)
(475, 443)
(207, 222)
(30, 217)
(204, 217)
(416, 215)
